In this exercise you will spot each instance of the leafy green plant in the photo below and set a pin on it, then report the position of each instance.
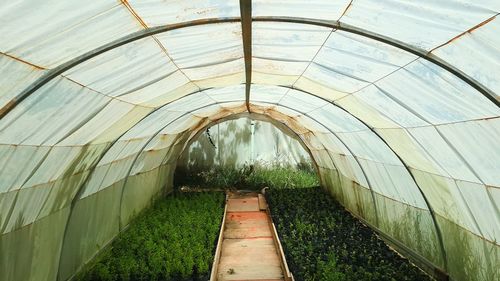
(173, 240)
(327, 269)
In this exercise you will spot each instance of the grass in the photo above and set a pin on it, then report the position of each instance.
(173, 240)
(253, 177)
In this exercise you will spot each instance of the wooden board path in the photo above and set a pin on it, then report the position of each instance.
(248, 246)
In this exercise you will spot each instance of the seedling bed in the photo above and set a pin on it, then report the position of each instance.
(175, 239)
(324, 242)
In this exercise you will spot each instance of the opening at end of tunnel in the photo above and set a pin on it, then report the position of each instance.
(245, 154)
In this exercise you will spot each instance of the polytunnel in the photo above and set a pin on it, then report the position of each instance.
(397, 103)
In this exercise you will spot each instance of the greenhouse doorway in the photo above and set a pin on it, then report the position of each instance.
(246, 153)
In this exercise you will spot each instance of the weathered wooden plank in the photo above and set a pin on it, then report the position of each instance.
(215, 264)
(243, 205)
(247, 225)
(249, 272)
(248, 251)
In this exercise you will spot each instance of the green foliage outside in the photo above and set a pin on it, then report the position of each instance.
(253, 177)
(173, 240)
(324, 242)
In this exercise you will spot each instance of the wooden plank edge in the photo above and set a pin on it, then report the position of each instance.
(287, 275)
(218, 250)
(286, 271)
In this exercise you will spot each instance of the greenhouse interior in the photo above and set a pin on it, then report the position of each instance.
(359, 137)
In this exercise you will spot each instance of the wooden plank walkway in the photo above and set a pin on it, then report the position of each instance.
(248, 249)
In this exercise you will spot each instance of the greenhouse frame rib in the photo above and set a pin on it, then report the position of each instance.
(51, 74)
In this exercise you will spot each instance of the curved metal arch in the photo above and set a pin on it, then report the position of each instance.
(51, 74)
